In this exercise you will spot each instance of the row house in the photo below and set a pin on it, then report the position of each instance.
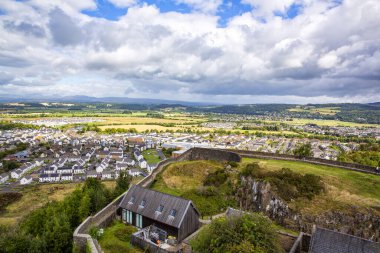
(54, 177)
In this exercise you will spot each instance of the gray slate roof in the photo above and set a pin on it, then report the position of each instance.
(328, 241)
(153, 199)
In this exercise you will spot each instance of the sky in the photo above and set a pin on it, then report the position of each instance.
(224, 51)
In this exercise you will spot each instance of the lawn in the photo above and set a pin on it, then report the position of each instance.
(117, 237)
(151, 156)
(344, 187)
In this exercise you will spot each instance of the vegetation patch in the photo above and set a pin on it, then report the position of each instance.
(7, 198)
(204, 182)
(117, 238)
(342, 187)
(151, 156)
(289, 185)
(249, 233)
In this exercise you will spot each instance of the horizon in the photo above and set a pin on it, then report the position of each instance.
(216, 51)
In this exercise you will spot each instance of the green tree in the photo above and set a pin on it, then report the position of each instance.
(303, 151)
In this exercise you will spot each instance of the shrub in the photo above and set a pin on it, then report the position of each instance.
(249, 233)
(216, 178)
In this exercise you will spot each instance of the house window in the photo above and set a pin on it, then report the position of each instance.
(138, 220)
(173, 212)
(131, 200)
(143, 203)
(160, 208)
(127, 216)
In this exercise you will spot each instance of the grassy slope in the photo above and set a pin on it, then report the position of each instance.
(182, 176)
(111, 240)
(344, 187)
(36, 196)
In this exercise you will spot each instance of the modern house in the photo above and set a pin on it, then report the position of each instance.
(175, 216)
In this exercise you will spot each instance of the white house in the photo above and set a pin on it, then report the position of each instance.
(151, 167)
(142, 163)
(78, 169)
(121, 166)
(64, 170)
(67, 177)
(106, 174)
(4, 177)
(17, 173)
(138, 155)
(26, 180)
(134, 172)
(92, 174)
(53, 177)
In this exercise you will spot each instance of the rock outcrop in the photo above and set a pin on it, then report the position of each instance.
(258, 196)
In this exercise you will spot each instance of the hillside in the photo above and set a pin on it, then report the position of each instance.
(348, 201)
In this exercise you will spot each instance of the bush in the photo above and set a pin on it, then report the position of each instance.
(288, 184)
(249, 233)
(216, 178)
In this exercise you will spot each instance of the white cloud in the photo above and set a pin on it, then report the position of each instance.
(206, 6)
(324, 52)
(123, 3)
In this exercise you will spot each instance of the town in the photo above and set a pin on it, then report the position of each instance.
(56, 156)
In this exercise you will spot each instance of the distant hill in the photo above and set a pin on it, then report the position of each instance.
(87, 99)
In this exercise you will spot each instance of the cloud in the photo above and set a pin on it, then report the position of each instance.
(328, 51)
(63, 28)
(206, 6)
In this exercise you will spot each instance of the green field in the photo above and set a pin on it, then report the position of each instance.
(151, 156)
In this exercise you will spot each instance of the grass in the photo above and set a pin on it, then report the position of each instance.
(35, 196)
(117, 237)
(186, 179)
(324, 110)
(321, 122)
(180, 177)
(151, 156)
(344, 187)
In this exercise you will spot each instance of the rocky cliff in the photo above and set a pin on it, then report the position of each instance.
(259, 196)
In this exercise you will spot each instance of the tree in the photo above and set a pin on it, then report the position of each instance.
(303, 151)
(122, 184)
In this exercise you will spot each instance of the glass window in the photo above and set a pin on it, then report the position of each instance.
(173, 212)
(160, 208)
